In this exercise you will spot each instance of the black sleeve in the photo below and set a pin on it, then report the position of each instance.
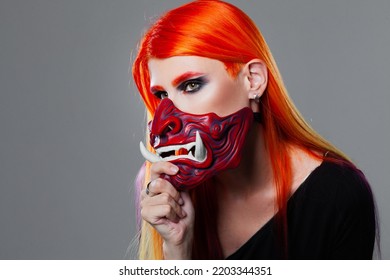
(332, 216)
(354, 222)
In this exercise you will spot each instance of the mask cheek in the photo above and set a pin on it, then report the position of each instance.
(222, 138)
(224, 151)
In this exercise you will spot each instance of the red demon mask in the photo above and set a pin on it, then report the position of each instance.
(200, 145)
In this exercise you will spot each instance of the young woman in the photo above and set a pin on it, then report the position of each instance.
(233, 171)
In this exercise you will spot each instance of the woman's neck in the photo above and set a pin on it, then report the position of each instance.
(254, 172)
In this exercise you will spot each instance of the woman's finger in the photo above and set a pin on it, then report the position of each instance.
(159, 186)
(155, 214)
(163, 199)
(163, 167)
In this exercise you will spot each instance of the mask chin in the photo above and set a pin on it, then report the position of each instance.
(200, 145)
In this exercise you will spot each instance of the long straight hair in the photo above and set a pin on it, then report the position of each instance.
(221, 31)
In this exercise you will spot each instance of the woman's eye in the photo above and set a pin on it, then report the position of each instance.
(192, 86)
(161, 94)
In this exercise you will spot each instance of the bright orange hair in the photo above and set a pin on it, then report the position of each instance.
(221, 31)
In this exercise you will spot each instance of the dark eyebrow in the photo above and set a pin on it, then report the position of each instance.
(187, 75)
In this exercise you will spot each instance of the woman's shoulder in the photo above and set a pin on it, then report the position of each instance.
(344, 176)
(336, 183)
(333, 214)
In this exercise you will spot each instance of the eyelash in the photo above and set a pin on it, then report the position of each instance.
(199, 82)
(160, 94)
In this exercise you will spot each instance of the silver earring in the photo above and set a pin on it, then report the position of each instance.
(256, 98)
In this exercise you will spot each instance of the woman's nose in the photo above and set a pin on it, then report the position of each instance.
(165, 123)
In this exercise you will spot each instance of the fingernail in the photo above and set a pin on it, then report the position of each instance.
(174, 169)
(183, 213)
(181, 201)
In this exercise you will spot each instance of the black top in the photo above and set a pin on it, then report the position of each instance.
(330, 216)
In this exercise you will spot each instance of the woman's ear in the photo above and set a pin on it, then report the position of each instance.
(255, 78)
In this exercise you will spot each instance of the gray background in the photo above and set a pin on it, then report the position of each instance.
(71, 120)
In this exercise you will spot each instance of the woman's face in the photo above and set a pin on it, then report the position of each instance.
(202, 123)
(197, 85)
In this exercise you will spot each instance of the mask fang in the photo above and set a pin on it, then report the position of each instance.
(200, 151)
(147, 154)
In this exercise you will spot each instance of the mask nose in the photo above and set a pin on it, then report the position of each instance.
(164, 123)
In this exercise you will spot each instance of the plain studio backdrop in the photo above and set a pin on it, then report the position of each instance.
(71, 118)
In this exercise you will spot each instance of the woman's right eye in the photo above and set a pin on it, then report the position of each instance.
(161, 94)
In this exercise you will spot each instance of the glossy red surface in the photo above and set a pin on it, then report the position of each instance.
(223, 139)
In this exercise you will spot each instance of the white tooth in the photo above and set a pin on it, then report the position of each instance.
(148, 155)
(200, 151)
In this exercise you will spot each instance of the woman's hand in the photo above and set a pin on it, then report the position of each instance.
(170, 212)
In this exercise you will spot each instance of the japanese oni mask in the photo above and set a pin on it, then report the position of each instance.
(200, 145)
